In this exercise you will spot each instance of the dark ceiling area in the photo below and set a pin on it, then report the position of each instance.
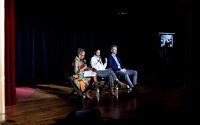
(105, 14)
(101, 9)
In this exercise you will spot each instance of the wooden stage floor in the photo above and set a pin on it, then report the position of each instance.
(156, 103)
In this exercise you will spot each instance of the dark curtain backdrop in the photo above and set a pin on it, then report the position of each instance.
(49, 33)
(47, 42)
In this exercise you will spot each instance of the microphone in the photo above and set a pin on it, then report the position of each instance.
(100, 59)
(84, 61)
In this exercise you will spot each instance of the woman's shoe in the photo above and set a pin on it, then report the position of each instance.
(123, 85)
(96, 83)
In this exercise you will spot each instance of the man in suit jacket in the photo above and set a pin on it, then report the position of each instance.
(117, 66)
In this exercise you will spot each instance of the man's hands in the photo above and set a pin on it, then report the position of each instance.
(123, 70)
(100, 60)
(106, 60)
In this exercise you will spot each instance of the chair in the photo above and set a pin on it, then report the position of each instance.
(103, 81)
(75, 87)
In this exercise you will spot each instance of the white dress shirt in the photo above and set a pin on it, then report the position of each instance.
(98, 65)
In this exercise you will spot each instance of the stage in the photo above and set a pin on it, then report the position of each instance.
(151, 102)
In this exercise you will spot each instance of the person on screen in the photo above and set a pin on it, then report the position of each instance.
(116, 64)
(168, 43)
(100, 67)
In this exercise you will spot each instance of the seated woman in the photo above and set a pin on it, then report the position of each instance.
(79, 67)
(101, 70)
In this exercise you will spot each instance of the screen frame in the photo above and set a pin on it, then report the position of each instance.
(166, 39)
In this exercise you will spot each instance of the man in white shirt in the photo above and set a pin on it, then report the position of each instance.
(96, 63)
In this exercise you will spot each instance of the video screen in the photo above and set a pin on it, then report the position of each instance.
(166, 39)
